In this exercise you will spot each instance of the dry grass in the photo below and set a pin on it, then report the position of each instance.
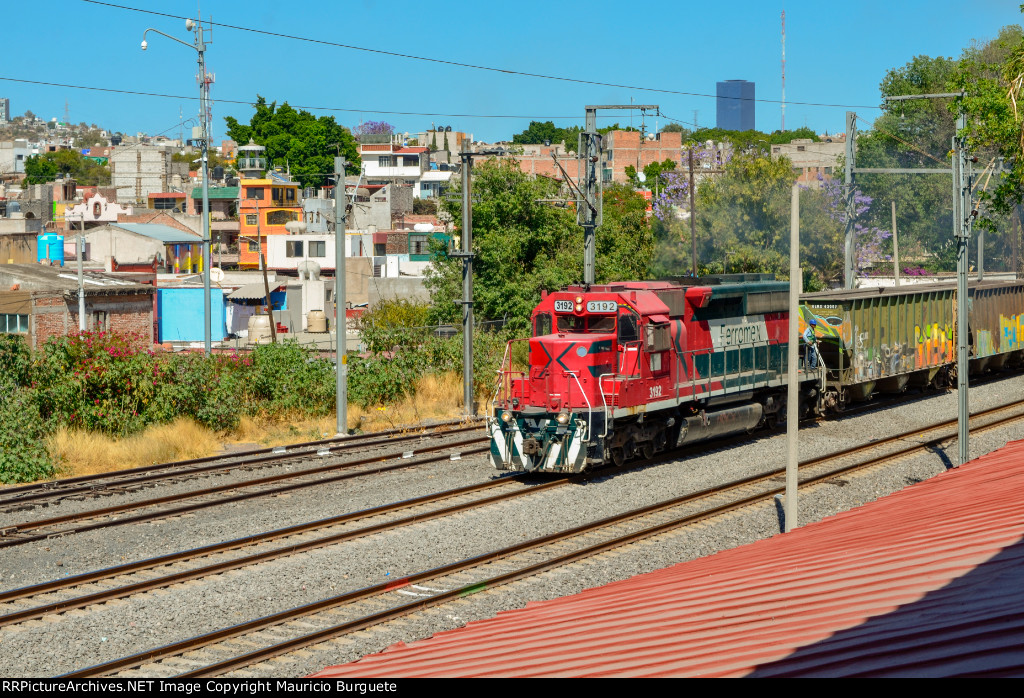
(86, 453)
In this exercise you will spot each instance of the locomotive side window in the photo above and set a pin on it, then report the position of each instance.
(628, 331)
(542, 325)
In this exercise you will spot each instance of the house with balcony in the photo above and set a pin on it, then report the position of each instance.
(264, 207)
(387, 161)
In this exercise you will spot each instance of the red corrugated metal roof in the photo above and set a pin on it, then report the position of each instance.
(412, 149)
(928, 581)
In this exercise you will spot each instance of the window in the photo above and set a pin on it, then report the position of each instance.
(418, 244)
(628, 328)
(254, 193)
(281, 217)
(289, 195)
(250, 219)
(386, 161)
(542, 325)
(254, 246)
(586, 324)
(317, 248)
(293, 248)
(13, 324)
(99, 321)
(379, 249)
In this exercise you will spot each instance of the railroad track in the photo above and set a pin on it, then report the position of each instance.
(24, 497)
(217, 653)
(194, 500)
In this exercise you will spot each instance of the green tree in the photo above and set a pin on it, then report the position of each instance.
(524, 246)
(539, 132)
(297, 140)
(744, 141)
(45, 167)
(652, 174)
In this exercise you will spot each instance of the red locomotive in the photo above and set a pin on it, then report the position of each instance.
(627, 369)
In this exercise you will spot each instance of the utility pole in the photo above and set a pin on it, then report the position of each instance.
(693, 217)
(851, 207)
(199, 44)
(963, 217)
(81, 276)
(895, 249)
(340, 304)
(792, 359)
(589, 212)
(469, 407)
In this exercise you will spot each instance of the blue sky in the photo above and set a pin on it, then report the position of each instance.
(679, 46)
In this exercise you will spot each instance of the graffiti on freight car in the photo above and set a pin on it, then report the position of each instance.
(986, 347)
(1012, 332)
(934, 344)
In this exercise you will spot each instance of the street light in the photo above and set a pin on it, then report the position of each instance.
(199, 45)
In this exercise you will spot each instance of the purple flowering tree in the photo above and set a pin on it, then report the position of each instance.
(868, 241)
(674, 190)
(367, 128)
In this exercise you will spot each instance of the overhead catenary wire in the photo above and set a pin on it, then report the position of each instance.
(473, 66)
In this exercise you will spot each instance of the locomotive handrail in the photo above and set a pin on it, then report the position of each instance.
(590, 410)
(502, 372)
(604, 402)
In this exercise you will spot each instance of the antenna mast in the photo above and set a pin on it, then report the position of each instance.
(783, 70)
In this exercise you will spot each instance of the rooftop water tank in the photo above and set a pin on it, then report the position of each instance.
(51, 249)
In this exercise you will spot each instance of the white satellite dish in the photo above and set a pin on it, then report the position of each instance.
(216, 274)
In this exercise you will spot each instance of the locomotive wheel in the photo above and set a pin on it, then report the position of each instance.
(647, 449)
(618, 456)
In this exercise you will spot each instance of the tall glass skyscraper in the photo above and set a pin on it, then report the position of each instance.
(735, 104)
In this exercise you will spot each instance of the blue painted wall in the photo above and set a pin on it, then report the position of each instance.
(180, 314)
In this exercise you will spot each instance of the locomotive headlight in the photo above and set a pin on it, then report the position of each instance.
(579, 307)
(562, 418)
(579, 299)
(506, 416)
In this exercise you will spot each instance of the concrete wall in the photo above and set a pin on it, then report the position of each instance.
(401, 288)
(138, 172)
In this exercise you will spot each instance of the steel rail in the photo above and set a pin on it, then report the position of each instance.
(226, 565)
(90, 484)
(22, 531)
(530, 570)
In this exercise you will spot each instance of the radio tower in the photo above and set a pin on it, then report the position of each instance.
(783, 70)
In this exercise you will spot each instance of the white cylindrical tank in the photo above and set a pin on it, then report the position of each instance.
(316, 321)
(259, 329)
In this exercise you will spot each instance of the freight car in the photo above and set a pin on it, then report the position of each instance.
(628, 369)
(883, 340)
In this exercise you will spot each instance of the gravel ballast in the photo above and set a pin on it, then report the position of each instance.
(57, 644)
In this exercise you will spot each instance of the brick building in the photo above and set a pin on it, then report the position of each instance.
(41, 302)
(625, 148)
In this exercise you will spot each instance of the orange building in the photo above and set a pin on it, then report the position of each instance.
(264, 207)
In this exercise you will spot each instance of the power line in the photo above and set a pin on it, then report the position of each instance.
(505, 71)
(250, 103)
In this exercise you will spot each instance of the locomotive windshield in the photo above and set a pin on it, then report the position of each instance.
(586, 324)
